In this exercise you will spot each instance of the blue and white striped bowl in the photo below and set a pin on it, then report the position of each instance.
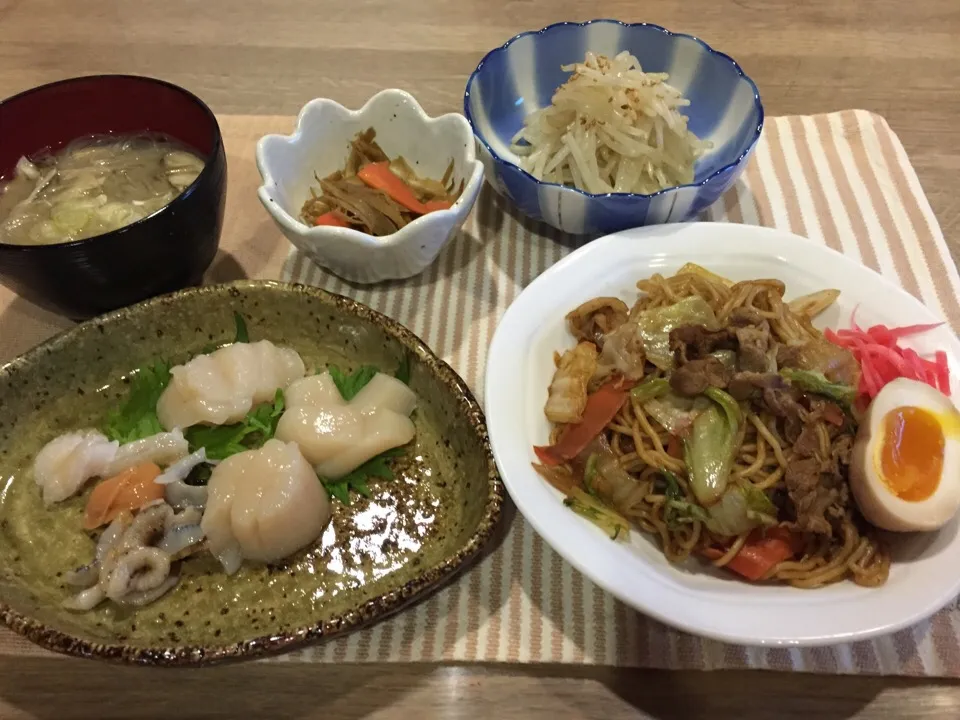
(520, 77)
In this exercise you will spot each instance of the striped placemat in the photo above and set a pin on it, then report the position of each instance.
(842, 179)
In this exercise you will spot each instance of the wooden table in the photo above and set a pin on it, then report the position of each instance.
(899, 59)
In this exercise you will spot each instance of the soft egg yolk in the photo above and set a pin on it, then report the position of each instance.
(911, 454)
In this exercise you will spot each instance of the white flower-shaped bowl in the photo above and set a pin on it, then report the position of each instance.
(319, 146)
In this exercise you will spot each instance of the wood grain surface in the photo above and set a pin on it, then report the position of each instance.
(899, 59)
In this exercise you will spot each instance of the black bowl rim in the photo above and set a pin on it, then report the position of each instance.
(758, 103)
(207, 167)
(375, 609)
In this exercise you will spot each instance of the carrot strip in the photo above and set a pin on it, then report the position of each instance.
(432, 205)
(675, 447)
(380, 177)
(760, 554)
(331, 219)
(602, 407)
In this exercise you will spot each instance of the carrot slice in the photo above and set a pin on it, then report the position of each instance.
(432, 205)
(331, 219)
(129, 490)
(380, 177)
(761, 553)
(602, 407)
(756, 559)
(675, 447)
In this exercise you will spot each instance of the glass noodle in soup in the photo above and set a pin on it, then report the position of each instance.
(92, 186)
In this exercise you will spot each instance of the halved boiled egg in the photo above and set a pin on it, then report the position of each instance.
(905, 467)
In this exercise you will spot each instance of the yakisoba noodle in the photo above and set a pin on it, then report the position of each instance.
(642, 446)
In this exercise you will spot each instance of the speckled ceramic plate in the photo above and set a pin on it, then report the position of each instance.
(376, 556)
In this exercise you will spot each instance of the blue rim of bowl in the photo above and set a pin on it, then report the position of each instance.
(659, 28)
(85, 242)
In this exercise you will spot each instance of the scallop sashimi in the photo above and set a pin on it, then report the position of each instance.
(385, 392)
(221, 387)
(377, 432)
(314, 390)
(67, 462)
(338, 436)
(340, 439)
(263, 505)
(381, 392)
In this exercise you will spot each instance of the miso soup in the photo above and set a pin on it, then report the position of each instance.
(93, 186)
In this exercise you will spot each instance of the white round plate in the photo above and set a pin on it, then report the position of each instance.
(925, 574)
